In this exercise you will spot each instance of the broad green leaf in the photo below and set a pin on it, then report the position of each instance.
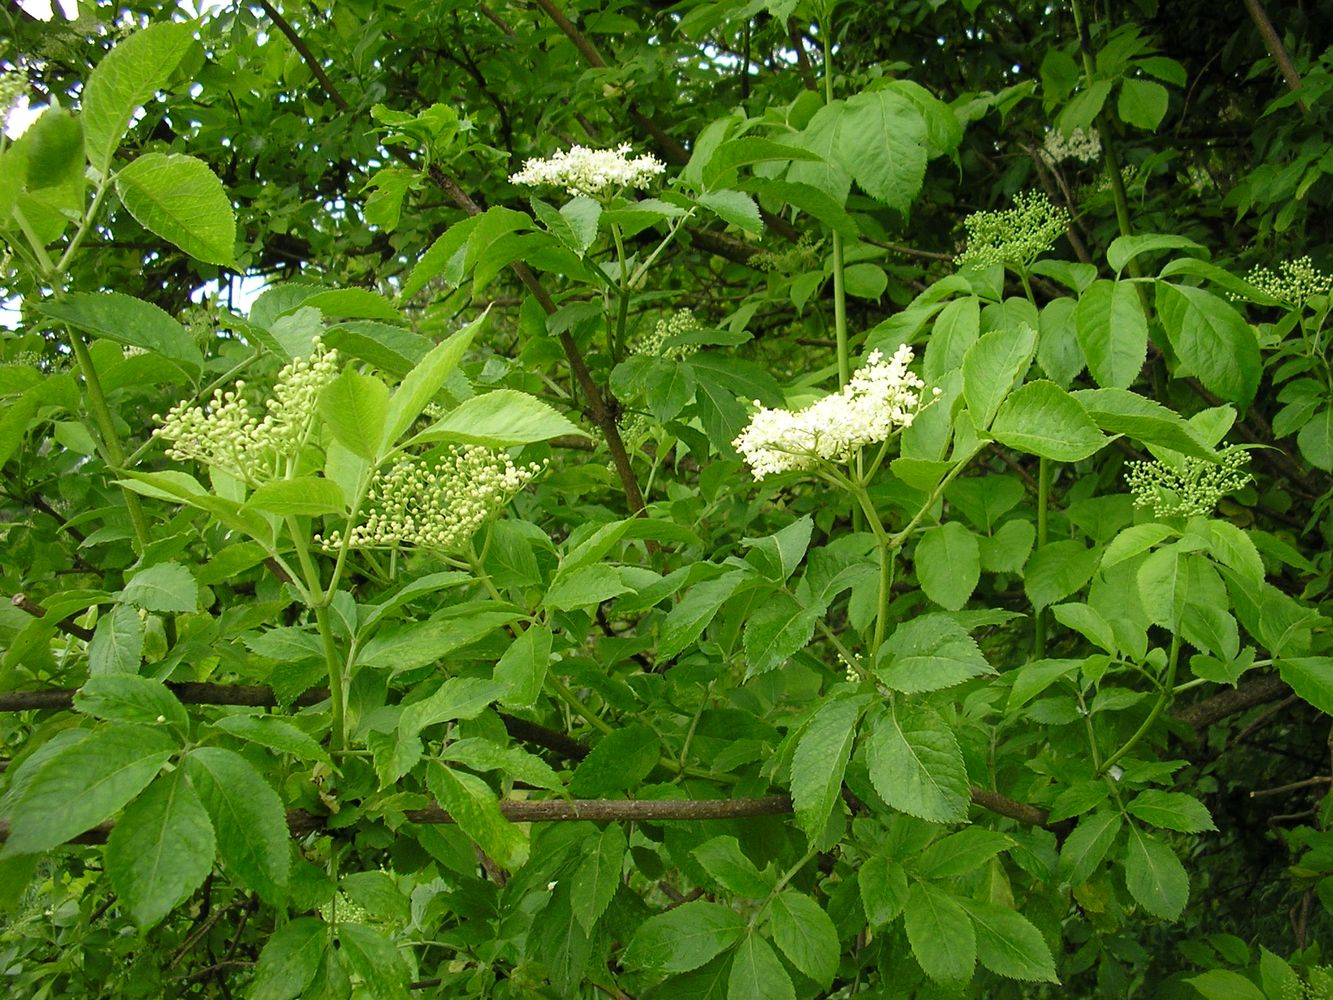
(1122, 412)
(820, 759)
(276, 734)
(686, 621)
(744, 152)
(421, 384)
(302, 496)
(117, 643)
(180, 199)
(883, 885)
(598, 876)
(352, 303)
(55, 152)
(127, 320)
(808, 199)
(961, 852)
(376, 960)
(825, 134)
(15, 418)
(956, 330)
(1084, 849)
(499, 419)
(1211, 340)
(248, 818)
(166, 587)
(916, 765)
(780, 553)
(683, 938)
(1278, 977)
(582, 214)
(757, 974)
(1088, 622)
(585, 587)
(1316, 439)
(1042, 419)
(734, 207)
(805, 934)
(126, 77)
(290, 959)
(1123, 249)
(1084, 107)
(355, 407)
(415, 644)
(391, 349)
(1155, 876)
(456, 698)
(130, 698)
(1113, 333)
(948, 564)
(482, 755)
(1311, 677)
(83, 784)
(1057, 570)
(161, 850)
(724, 860)
(941, 933)
(778, 629)
(1171, 810)
(1221, 984)
(1134, 540)
(475, 809)
(1009, 945)
(1163, 581)
(620, 761)
(992, 367)
(443, 258)
(1142, 103)
(927, 653)
(521, 671)
(883, 147)
(1058, 352)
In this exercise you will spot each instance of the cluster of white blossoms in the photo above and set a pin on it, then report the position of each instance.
(226, 432)
(1017, 236)
(1193, 489)
(1295, 282)
(590, 171)
(881, 398)
(1084, 145)
(436, 501)
(653, 343)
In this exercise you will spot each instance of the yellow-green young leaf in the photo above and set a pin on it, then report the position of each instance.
(1113, 332)
(820, 759)
(482, 755)
(304, 495)
(125, 78)
(940, 933)
(619, 762)
(290, 960)
(130, 321)
(421, 384)
(948, 564)
(683, 938)
(475, 809)
(355, 407)
(745, 151)
(1009, 945)
(993, 366)
(598, 876)
(500, 419)
(14, 420)
(1042, 419)
(353, 303)
(757, 974)
(167, 587)
(1142, 103)
(84, 783)
(928, 653)
(160, 850)
(883, 885)
(180, 199)
(376, 960)
(130, 698)
(1155, 877)
(805, 934)
(55, 151)
(1171, 810)
(916, 765)
(248, 818)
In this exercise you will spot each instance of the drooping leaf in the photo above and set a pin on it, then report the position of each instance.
(166, 587)
(500, 419)
(1042, 419)
(940, 932)
(1009, 945)
(290, 960)
(683, 938)
(618, 762)
(180, 199)
(1155, 876)
(1113, 333)
(757, 974)
(883, 146)
(1171, 810)
(820, 759)
(475, 809)
(916, 765)
(127, 320)
(805, 934)
(598, 876)
(948, 564)
(928, 653)
(355, 407)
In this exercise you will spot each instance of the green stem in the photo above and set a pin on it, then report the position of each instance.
(1043, 500)
(839, 280)
(617, 339)
(1158, 708)
(837, 643)
(673, 229)
(85, 225)
(781, 884)
(334, 664)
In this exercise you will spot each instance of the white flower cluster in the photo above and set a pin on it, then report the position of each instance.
(1295, 282)
(590, 171)
(1193, 489)
(1084, 145)
(880, 399)
(652, 344)
(1015, 236)
(226, 433)
(436, 501)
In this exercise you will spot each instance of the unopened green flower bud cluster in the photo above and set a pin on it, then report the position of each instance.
(804, 256)
(1015, 236)
(1084, 145)
(1192, 489)
(1295, 282)
(653, 344)
(437, 500)
(227, 433)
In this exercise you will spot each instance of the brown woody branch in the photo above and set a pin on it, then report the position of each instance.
(1273, 42)
(66, 625)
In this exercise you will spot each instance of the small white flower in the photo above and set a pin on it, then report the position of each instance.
(1084, 145)
(881, 399)
(1116, 772)
(590, 171)
(550, 886)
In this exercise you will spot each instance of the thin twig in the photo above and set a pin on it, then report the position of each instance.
(66, 625)
(1295, 786)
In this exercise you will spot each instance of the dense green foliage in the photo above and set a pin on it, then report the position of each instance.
(562, 589)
